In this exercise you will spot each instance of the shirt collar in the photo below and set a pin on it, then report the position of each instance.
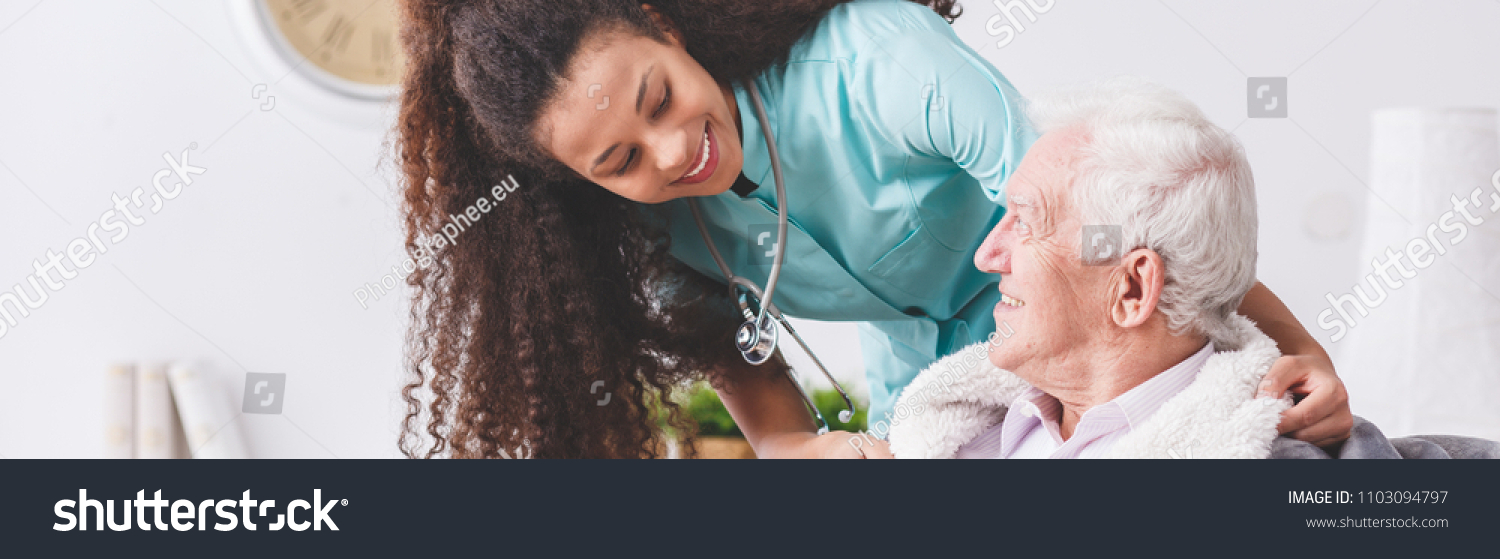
(1034, 408)
(756, 161)
(1140, 402)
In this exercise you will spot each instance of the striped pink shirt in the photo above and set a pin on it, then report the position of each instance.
(1031, 428)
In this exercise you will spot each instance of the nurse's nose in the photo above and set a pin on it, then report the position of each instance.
(671, 148)
(994, 254)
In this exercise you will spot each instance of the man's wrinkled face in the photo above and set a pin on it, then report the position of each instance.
(644, 120)
(1055, 304)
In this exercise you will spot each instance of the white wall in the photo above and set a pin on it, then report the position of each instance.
(253, 267)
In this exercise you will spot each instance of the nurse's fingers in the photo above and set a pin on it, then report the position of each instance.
(1327, 433)
(1322, 411)
(1321, 418)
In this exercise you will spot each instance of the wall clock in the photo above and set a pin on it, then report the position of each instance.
(350, 47)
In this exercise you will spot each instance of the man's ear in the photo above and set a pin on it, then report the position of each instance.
(1139, 288)
(665, 24)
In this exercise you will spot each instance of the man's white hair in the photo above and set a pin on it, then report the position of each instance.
(1174, 182)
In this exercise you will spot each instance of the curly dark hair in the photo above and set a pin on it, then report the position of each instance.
(564, 285)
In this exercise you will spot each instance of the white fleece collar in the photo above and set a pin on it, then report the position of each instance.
(1216, 416)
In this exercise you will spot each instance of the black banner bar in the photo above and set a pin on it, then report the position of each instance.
(508, 507)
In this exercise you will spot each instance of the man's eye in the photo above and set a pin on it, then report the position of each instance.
(665, 100)
(629, 158)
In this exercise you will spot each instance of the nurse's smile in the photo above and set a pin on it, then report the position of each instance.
(707, 161)
(644, 120)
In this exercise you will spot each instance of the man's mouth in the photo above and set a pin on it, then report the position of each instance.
(1011, 301)
(708, 160)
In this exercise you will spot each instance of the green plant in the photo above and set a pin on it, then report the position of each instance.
(713, 418)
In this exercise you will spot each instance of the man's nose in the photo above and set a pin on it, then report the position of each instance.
(993, 255)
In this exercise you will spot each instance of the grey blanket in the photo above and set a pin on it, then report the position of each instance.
(1367, 441)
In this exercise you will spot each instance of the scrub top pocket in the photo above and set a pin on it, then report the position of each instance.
(895, 266)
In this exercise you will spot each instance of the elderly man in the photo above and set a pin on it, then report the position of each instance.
(1127, 343)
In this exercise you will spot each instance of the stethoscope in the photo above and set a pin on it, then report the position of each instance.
(757, 337)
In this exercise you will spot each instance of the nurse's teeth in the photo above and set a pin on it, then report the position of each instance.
(1012, 301)
(702, 157)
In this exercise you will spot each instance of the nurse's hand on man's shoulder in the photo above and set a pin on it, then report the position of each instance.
(1321, 415)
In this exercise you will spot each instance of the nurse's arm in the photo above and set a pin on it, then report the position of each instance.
(770, 412)
(1322, 417)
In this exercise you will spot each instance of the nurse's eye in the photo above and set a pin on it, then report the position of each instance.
(629, 158)
(666, 99)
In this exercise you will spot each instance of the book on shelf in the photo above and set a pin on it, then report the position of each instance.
(162, 410)
(155, 414)
(119, 411)
(207, 419)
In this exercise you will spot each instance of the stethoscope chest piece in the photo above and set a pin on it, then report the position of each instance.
(756, 342)
(756, 337)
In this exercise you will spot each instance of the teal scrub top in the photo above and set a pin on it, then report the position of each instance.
(895, 140)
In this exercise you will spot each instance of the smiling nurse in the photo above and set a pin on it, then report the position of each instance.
(895, 139)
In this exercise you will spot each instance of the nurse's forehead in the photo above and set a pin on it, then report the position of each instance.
(602, 86)
(585, 106)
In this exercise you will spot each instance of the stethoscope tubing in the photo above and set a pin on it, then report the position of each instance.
(767, 308)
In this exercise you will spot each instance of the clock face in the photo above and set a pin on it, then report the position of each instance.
(354, 40)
